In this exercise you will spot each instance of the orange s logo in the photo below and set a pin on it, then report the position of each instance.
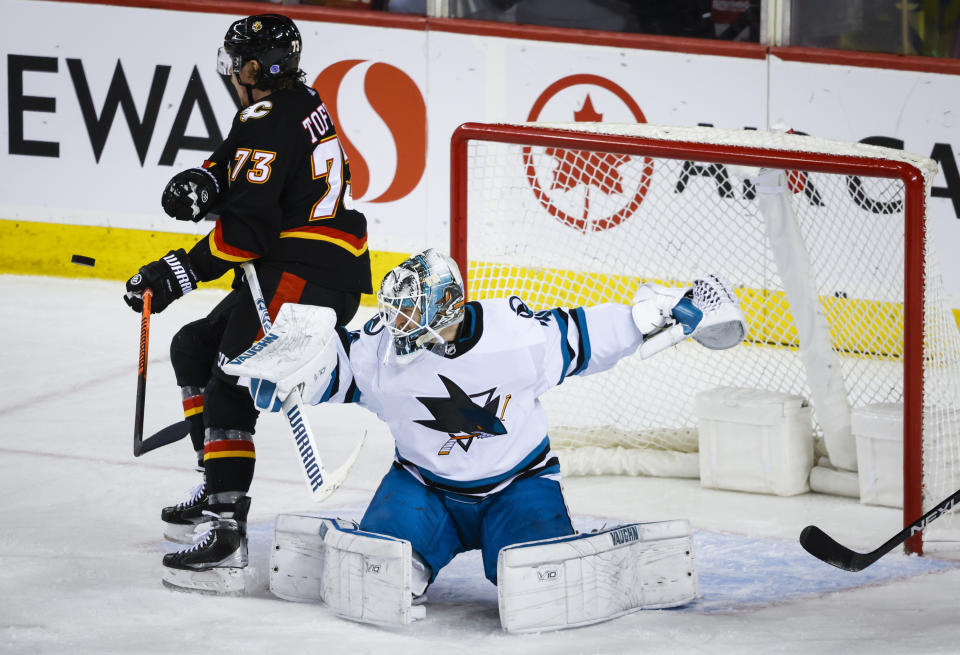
(397, 100)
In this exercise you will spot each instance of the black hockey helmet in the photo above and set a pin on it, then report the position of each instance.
(271, 39)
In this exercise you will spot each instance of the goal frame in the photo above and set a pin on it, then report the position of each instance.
(914, 238)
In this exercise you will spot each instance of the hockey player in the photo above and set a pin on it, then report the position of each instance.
(458, 384)
(280, 183)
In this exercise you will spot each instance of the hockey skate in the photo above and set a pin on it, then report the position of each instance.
(181, 521)
(216, 563)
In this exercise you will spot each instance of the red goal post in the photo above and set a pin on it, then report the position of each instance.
(579, 213)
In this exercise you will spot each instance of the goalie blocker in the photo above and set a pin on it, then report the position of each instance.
(543, 585)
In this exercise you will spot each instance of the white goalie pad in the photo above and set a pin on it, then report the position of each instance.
(359, 575)
(584, 579)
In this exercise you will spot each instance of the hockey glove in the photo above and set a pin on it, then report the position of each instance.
(169, 278)
(299, 352)
(709, 312)
(190, 194)
(265, 395)
(653, 305)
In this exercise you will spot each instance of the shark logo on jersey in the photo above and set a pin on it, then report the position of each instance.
(461, 418)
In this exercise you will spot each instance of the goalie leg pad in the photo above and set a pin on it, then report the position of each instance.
(590, 578)
(359, 575)
(422, 519)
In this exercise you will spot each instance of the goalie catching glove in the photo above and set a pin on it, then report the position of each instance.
(708, 311)
(299, 351)
(169, 278)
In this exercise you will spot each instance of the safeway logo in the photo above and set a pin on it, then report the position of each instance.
(377, 95)
(588, 191)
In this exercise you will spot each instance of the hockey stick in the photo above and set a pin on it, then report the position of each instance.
(167, 435)
(822, 546)
(142, 374)
(170, 433)
(320, 484)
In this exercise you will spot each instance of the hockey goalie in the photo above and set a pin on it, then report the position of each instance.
(458, 385)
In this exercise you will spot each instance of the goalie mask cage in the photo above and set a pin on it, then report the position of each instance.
(583, 213)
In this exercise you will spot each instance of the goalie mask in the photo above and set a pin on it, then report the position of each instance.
(419, 299)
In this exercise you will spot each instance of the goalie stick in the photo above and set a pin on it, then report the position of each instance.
(170, 433)
(320, 484)
(822, 546)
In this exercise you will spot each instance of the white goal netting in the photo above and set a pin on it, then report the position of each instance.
(579, 221)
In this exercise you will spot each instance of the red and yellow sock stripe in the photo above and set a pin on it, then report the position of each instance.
(228, 448)
(192, 405)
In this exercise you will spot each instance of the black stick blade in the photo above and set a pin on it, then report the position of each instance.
(167, 435)
(824, 547)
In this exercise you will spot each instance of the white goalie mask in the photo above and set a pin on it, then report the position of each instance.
(420, 298)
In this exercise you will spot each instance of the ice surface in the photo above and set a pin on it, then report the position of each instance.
(80, 535)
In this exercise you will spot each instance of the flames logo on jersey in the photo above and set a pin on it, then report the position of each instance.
(463, 419)
(259, 110)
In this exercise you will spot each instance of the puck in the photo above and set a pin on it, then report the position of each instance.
(82, 260)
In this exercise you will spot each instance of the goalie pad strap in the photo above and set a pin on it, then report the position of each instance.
(584, 579)
(359, 575)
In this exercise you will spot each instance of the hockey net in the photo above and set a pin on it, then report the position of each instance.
(583, 213)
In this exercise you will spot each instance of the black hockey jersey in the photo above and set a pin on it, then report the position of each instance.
(287, 201)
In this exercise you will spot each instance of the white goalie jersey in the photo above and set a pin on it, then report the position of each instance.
(469, 421)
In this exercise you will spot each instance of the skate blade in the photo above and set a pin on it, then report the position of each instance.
(184, 534)
(219, 581)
